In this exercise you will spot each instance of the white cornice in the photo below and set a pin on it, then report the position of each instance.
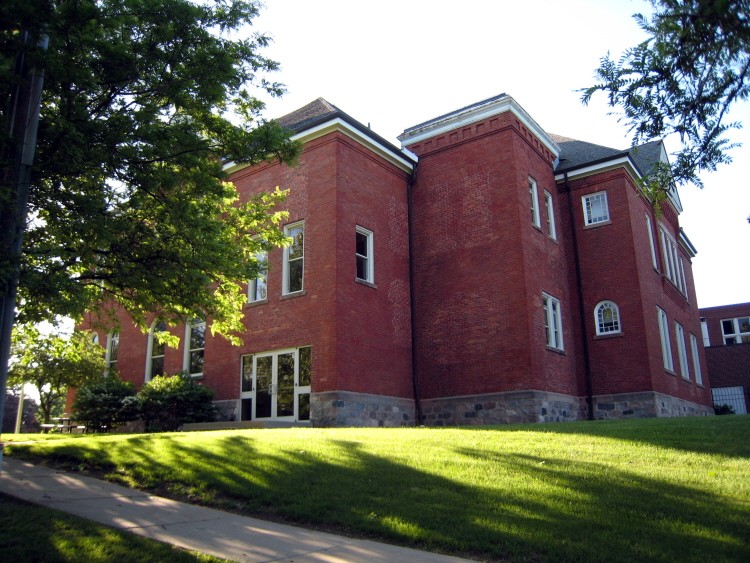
(474, 114)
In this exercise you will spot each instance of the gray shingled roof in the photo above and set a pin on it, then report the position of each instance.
(320, 111)
(576, 154)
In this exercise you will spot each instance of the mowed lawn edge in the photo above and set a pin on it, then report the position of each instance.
(655, 489)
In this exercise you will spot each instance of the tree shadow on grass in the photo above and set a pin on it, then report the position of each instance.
(548, 511)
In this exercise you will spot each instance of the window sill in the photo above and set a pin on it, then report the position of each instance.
(256, 303)
(556, 350)
(293, 295)
(608, 336)
(365, 282)
(600, 224)
(197, 376)
(670, 372)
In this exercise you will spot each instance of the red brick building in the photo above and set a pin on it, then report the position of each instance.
(726, 335)
(487, 272)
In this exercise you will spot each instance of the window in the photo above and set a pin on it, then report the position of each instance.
(364, 255)
(155, 351)
(607, 318)
(113, 347)
(673, 267)
(736, 331)
(534, 195)
(666, 347)
(257, 288)
(696, 359)
(681, 352)
(550, 209)
(552, 322)
(595, 208)
(294, 258)
(650, 232)
(195, 345)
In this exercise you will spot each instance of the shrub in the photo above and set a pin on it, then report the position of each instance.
(104, 403)
(167, 402)
(723, 409)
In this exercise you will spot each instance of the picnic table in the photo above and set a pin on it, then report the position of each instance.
(63, 424)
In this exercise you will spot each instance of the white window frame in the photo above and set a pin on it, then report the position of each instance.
(113, 343)
(286, 269)
(673, 268)
(650, 231)
(679, 334)
(737, 335)
(369, 258)
(549, 205)
(666, 345)
(696, 359)
(257, 288)
(588, 217)
(150, 349)
(534, 196)
(601, 330)
(553, 322)
(188, 347)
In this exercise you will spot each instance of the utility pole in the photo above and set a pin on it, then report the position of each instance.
(23, 120)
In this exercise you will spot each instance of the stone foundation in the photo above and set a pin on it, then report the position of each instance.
(645, 405)
(502, 408)
(227, 410)
(343, 408)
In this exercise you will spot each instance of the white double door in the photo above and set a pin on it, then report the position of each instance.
(279, 386)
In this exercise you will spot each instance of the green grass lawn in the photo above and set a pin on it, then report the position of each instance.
(35, 533)
(636, 490)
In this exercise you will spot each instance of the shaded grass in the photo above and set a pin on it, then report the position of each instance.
(652, 490)
(34, 533)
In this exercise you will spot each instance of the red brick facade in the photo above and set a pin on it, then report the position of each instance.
(488, 279)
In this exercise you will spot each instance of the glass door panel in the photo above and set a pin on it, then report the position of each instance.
(285, 385)
(264, 387)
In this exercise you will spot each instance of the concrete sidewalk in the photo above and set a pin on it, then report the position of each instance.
(222, 534)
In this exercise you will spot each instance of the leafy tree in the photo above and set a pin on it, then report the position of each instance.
(53, 363)
(167, 402)
(105, 402)
(143, 102)
(683, 79)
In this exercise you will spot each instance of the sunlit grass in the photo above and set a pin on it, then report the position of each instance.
(652, 490)
(35, 533)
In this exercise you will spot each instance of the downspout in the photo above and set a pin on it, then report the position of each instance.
(412, 314)
(581, 306)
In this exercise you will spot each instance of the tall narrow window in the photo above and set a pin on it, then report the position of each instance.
(607, 318)
(113, 347)
(257, 288)
(195, 345)
(364, 255)
(696, 359)
(650, 233)
(673, 267)
(534, 195)
(550, 210)
(666, 346)
(679, 334)
(155, 349)
(294, 258)
(552, 322)
(595, 209)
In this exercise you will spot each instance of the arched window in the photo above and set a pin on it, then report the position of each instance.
(607, 318)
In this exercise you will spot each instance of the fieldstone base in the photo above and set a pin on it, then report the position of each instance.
(502, 408)
(343, 408)
(227, 410)
(646, 404)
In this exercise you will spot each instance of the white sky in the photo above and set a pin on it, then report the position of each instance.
(393, 64)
